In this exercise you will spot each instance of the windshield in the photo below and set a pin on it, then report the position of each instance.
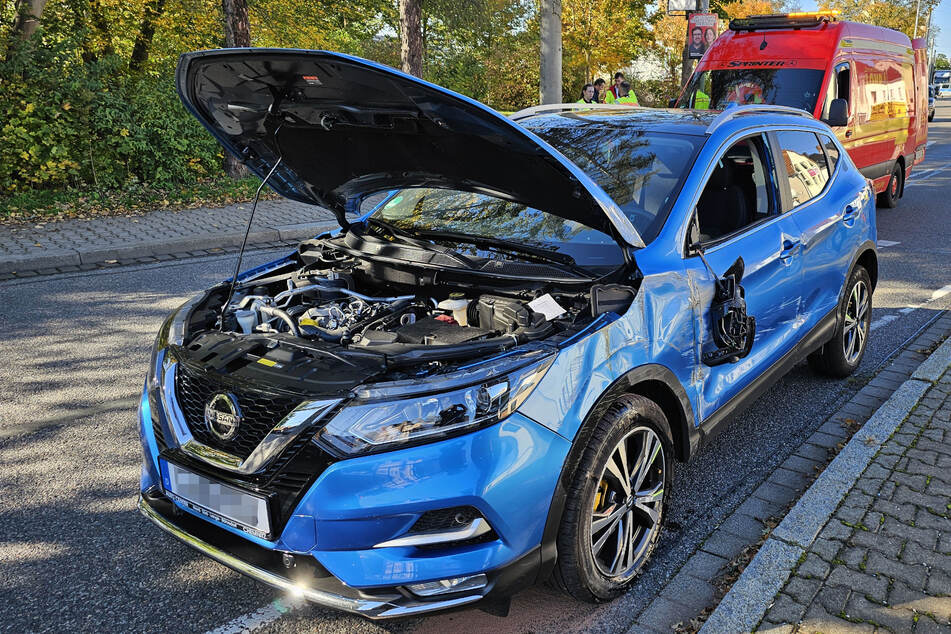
(424, 209)
(641, 171)
(718, 89)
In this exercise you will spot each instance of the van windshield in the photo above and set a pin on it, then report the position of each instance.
(718, 89)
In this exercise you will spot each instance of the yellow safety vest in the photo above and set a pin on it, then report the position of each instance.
(701, 100)
(608, 96)
(630, 100)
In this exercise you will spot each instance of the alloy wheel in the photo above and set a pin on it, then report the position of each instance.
(628, 505)
(855, 331)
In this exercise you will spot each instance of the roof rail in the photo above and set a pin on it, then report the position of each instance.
(566, 107)
(757, 108)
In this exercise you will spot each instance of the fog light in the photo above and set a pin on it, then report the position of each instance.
(446, 586)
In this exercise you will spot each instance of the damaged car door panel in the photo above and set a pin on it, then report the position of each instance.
(485, 376)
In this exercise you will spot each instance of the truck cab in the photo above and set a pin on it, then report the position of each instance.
(868, 83)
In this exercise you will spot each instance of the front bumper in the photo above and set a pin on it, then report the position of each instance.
(307, 579)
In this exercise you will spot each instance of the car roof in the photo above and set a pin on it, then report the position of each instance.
(666, 120)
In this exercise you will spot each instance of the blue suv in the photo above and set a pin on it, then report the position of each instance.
(485, 377)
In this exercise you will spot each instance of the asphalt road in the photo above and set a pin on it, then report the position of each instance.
(76, 555)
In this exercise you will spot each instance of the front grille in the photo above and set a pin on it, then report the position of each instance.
(261, 410)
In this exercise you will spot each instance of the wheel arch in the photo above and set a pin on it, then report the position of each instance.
(653, 381)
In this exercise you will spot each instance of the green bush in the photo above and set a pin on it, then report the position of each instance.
(67, 123)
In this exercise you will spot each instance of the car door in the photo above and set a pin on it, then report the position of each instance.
(826, 201)
(768, 243)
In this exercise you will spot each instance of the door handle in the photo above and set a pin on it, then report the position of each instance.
(848, 133)
(789, 249)
(849, 215)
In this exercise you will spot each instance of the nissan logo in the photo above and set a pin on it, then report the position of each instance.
(223, 416)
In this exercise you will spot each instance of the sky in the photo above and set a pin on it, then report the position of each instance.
(941, 18)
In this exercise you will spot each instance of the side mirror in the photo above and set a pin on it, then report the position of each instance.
(672, 103)
(838, 113)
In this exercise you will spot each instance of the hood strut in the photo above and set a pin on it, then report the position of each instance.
(247, 230)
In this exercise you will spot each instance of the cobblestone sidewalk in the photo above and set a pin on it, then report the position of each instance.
(883, 561)
(68, 243)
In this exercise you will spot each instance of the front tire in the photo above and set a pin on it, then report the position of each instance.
(842, 355)
(616, 502)
(889, 198)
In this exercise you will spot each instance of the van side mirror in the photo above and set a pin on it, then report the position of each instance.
(672, 103)
(838, 113)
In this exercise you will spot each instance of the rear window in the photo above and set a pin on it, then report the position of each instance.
(719, 89)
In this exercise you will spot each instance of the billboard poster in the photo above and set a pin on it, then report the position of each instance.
(701, 31)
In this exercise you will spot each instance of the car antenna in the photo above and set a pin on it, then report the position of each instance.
(763, 43)
(272, 111)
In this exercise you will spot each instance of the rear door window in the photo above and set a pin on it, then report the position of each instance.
(832, 152)
(803, 166)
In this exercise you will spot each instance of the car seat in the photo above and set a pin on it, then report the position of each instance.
(722, 208)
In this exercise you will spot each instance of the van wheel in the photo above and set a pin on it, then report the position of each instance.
(889, 197)
(616, 502)
(842, 355)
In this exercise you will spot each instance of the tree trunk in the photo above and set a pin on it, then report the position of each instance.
(143, 40)
(237, 34)
(29, 13)
(411, 37)
(550, 87)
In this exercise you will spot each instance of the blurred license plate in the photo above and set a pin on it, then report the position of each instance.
(217, 500)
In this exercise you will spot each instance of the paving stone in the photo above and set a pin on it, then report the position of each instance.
(743, 526)
(759, 508)
(800, 464)
(704, 566)
(818, 620)
(886, 544)
(662, 614)
(785, 610)
(879, 564)
(789, 479)
(915, 554)
(850, 514)
(724, 544)
(833, 598)
(775, 493)
(692, 593)
(776, 628)
(813, 567)
(939, 583)
(878, 614)
(812, 452)
(834, 529)
(827, 549)
(927, 537)
(876, 587)
(852, 556)
(802, 590)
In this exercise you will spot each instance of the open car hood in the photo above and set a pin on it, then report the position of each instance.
(346, 127)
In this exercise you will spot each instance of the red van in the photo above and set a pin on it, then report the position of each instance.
(867, 82)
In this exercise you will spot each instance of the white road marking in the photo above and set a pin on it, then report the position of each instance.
(881, 321)
(887, 243)
(929, 144)
(925, 175)
(260, 617)
(887, 319)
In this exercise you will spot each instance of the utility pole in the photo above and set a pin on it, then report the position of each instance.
(550, 85)
(687, 63)
(917, 9)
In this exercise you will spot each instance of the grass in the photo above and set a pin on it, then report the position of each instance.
(41, 205)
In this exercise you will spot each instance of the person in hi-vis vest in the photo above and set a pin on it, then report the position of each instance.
(627, 96)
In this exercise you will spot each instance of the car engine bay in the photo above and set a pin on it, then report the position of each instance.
(405, 314)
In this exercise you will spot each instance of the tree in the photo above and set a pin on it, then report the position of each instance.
(941, 62)
(29, 13)
(411, 37)
(237, 29)
(143, 41)
(892, 14)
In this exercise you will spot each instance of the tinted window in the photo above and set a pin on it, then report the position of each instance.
(804, 165)
(717, 89)
(641, 171)
(832, 152)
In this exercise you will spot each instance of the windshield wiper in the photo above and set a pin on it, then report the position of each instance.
(551, 257)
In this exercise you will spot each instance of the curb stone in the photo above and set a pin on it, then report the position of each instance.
(747, 601)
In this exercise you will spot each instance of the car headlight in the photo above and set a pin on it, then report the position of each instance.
(380, 420)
